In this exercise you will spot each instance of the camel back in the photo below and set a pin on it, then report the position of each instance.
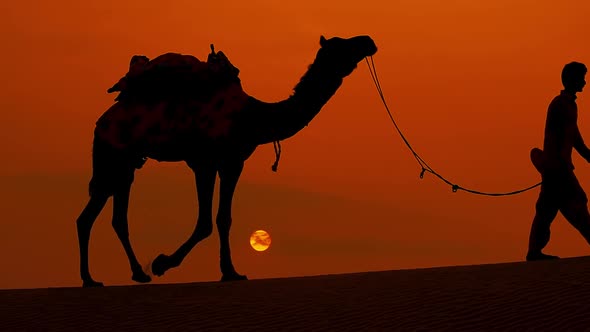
(170, 99)
(174, 76)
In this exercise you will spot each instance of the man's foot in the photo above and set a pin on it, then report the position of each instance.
(539, 256)
(91, 283)
(233, 277)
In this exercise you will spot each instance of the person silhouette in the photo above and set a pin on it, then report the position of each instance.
(560, 189)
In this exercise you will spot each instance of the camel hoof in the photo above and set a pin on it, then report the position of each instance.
(92, 283)
(233, 277)
(141, 277)
(160, 265)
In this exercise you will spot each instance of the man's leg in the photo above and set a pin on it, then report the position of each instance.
(577, 215)
(575, 210)
(546, 210)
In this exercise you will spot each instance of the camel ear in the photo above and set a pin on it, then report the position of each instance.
(322, 41)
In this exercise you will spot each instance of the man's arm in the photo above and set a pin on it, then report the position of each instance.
(580, 146)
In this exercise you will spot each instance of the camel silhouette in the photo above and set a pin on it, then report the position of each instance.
(213, 126)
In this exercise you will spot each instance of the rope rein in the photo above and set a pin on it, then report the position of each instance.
(425, 167)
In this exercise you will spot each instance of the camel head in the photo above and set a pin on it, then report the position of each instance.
(341, 55)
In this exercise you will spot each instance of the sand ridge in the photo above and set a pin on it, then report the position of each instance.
(551, 295)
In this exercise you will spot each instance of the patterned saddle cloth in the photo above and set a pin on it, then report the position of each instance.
(170, 99)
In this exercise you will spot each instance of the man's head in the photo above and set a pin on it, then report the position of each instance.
(572, 76)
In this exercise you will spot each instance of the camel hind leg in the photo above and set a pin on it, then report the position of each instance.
(84, 226)
(121, 227)
(100, 191)
(112, 175)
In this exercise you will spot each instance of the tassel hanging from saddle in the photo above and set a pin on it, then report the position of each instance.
(277, 146)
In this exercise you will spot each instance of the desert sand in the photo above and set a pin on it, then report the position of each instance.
(536, 296)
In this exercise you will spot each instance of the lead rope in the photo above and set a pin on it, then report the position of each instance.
(425, 167)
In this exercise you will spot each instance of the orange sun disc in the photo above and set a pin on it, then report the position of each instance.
(260, 240)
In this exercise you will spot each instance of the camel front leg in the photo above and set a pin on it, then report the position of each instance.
(205, 179)
(229, 174)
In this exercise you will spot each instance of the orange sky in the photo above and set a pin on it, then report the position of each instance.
(468, 81)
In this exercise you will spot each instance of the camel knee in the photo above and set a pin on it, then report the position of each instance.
(120, 226)
(223, 224)
(83, 225)
(90, 212)
(204, 229)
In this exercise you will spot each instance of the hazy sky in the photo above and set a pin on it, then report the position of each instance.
(468, 82)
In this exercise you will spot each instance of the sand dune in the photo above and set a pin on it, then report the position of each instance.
(552, 295)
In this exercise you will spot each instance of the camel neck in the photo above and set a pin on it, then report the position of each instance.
(270, 122)
(316, 86)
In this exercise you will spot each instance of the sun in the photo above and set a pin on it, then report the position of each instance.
(260, 240)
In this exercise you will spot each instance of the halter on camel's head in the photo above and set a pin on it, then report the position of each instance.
(341, 55)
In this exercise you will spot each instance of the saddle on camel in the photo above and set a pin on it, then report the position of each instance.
(171, 98)
(173, 75)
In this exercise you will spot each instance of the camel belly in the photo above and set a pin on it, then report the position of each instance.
(210, 153)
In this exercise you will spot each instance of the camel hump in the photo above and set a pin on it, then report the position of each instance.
(174, 75)
(176, 61)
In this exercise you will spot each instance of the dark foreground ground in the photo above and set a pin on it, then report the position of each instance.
(539, 296)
